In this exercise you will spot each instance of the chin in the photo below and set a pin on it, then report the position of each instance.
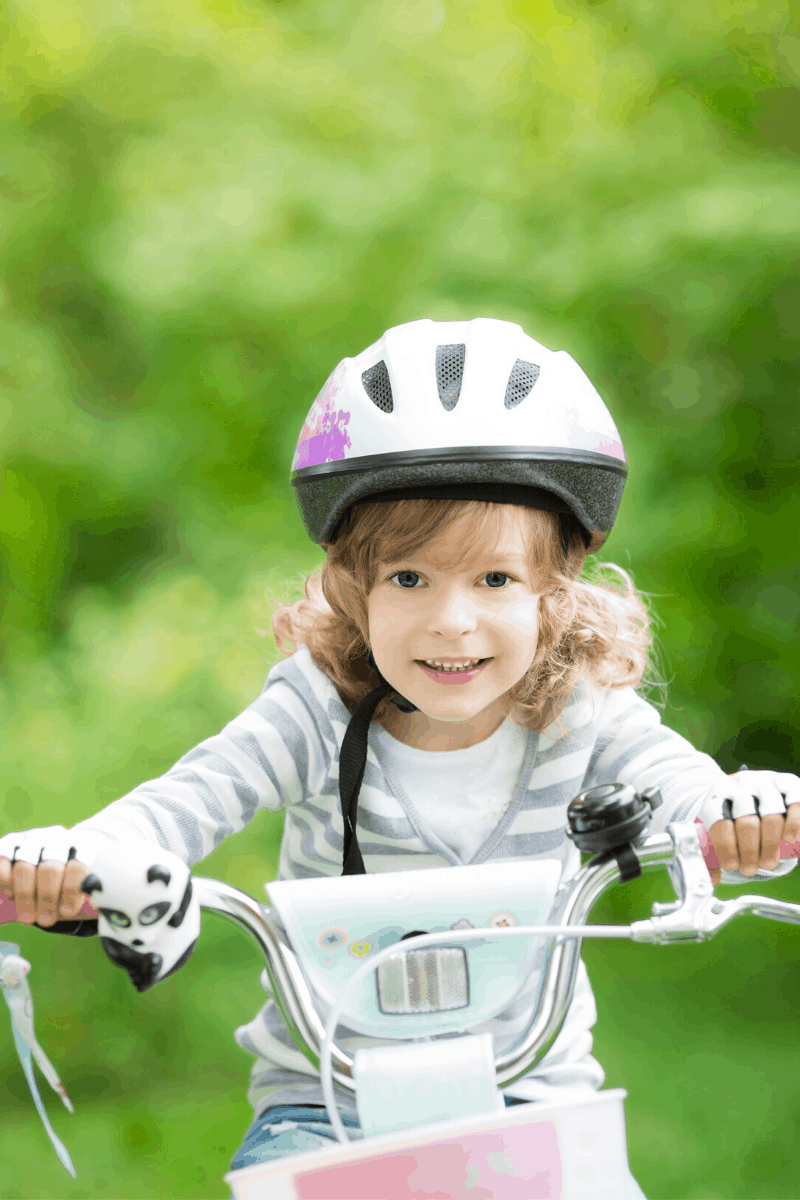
(467, 713)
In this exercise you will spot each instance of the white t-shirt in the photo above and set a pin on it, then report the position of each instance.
(449, 788)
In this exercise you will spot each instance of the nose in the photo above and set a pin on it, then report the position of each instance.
(137, 942)
(453, 613)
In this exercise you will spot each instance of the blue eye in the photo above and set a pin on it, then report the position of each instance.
(496, 579)
(406, 579)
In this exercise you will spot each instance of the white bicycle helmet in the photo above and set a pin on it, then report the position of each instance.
(465, 410)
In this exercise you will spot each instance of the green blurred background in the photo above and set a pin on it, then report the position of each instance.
(206, 205)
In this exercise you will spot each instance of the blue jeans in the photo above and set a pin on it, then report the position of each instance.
(285, 1129)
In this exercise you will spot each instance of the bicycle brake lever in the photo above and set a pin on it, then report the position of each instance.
(698, 914)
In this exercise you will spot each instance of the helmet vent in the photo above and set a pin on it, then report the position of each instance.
(376, 385)
(521, 380)
(449, 373)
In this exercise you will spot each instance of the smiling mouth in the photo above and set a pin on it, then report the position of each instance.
(452, 666)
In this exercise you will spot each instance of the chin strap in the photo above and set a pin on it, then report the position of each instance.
(352, 763)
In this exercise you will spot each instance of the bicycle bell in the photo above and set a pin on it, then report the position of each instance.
(611, 815)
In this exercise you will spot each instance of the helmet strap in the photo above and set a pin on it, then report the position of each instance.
(352, 761)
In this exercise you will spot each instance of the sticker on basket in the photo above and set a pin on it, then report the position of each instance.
(332, 937)
(517, 1162)
(463, 924)
(502, 920)
(360, 949)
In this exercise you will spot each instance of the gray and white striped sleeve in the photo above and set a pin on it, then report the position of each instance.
(270, 756)
(633, 746)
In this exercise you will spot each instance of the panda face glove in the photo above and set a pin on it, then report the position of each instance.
(148, 917)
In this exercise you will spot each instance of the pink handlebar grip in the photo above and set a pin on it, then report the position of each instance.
(8, 909)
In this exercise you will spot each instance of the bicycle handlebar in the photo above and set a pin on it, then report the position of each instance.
(695, 915)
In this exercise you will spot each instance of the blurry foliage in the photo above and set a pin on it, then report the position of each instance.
(204, 207)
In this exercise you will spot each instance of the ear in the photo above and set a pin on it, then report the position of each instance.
(157, 872)
(177, 917)
(91, 884)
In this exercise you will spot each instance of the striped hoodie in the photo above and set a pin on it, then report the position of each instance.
(282, 752)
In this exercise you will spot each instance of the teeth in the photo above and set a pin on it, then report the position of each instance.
(452, 666)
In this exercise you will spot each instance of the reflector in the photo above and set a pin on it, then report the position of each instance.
(434, 979)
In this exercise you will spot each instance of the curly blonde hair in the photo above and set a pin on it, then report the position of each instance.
(596, 629)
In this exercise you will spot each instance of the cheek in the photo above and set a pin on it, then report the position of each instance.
(378, 625)
(526, 615)
(520, 631)
(387, 624)
(521, 620)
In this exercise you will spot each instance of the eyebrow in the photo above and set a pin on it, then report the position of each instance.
(482, 559)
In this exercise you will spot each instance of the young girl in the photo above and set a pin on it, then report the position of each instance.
(455, 676)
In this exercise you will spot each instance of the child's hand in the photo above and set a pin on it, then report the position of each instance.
(37, 873)
(749, 817)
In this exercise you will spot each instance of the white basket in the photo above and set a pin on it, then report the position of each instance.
(571, 1151)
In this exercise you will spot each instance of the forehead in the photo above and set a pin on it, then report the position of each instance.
(501, 531)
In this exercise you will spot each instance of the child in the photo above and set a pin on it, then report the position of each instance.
(457, 475)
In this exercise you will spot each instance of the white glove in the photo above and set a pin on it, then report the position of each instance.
(51, 841)
(750, 792)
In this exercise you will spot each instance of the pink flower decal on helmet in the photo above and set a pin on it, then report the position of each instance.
(323, 437)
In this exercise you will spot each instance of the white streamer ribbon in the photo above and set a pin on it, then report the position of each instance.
(17, 993)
